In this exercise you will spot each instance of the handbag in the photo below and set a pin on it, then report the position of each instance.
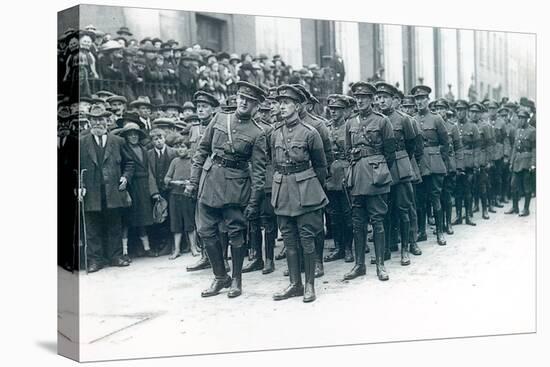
(160, 210)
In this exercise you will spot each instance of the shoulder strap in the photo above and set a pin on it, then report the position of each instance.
(229, 134)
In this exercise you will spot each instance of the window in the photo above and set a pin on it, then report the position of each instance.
(209, 32)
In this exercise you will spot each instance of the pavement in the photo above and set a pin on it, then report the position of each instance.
(482, 283)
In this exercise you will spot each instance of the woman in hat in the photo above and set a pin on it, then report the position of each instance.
(80, 65)
(140, 214)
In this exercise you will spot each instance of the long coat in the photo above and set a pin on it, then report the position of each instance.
(115, 165)
(156, 174)
(141, 212)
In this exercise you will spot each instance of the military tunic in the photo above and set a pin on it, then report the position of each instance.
(523, 158)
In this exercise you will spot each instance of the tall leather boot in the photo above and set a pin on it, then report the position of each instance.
(237, 258)
(515, 205)
(405, 243)
(421, 213)
(458, 208)
(448, 215)
(525, 211)
(224, 240)
(490, 203)
(439, 227)
(257, 262)
(310, 263)
(485, 214)
(295, 288)
(360, 240)
(337, 235)
(347, 241)
(476, 204)
(221, 279)
(270, 236)
(469, 214)
(413, 229)
(318, 254)
(379, 243)
(387, 231)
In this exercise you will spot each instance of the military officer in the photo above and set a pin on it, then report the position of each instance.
(401, 192)
(297, 192)
(228, 175)
(504, 116)
(469, 135)
(406, 106)
(371, 143)
(267, 218)
(522, 163)
(206, 105)
(484, 154)
(496, 173)
(339, 207)
(321, 126)
(432, 166)
(455, 164)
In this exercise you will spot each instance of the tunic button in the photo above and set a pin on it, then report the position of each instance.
(288, 140)
(290, 129)
(234, 130)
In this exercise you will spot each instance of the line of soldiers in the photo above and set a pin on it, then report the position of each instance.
(383, 159)
(383, 162)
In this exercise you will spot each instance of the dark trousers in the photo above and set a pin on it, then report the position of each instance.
(339, 211)
(369, 207)
(449, 184)
(506, 180)
(209, 219)
(522, 183)
(400, 202)
(495, 174)
(301, 230)
(429, 192)
(463, 189)
(104, 235)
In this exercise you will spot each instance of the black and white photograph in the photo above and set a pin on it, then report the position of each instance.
(232, 182)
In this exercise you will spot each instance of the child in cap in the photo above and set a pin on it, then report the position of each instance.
(181, 207)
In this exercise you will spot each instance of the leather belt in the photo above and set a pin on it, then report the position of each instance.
(230, 163)
(289, 169)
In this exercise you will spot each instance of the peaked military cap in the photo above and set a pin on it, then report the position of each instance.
(511, 105)
(272, 93)
(188, 105)
(305, 92)
(362, 88)
(491, 104)
(382, 87)
(408, 101)
(399, 94)
(265, 107)
(202, 96)
(289, 91)
(503, 109)
(441, 102)
(250, 91)
(191, 118)
(421, 90)
(476, 107)
(461, 104)
(523, 113)
(337, 101)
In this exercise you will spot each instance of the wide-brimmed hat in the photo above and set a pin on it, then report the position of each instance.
(131, 126)
(117, 99)
(234, 57)
(141, 101)
(124, 31)
(109, 46)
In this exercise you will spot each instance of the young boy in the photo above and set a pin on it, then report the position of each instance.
(181, 207)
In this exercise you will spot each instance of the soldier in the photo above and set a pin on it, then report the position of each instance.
(206, 105)
(339, 207)
(401, 192)
(522, 163)
(321, 126)
(267, 218)
(297, 192)
(370, 140)
(469, 135)
(407, 107)
(228, 190)
(508, 142)
(432, 166)
(486, 143)
(455, 164)
(495, 173)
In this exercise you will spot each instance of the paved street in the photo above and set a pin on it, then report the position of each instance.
(481, 283)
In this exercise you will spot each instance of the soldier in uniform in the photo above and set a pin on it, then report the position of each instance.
(371, 144)
(321, 126)
(297, 192)
(339, 207)
(484, 155)
(469, 135)
(228, 175)
(522, 163)
(455, 164)
(407, 107)
(504, 116)
(432, 166)
(206, 105)
(267, 218)
(496, 173)
(401, 192)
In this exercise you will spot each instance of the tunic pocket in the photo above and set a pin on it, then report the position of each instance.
(309, 188)
(404, 168)
(275, 188)
(237, 186)
(468, 158)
